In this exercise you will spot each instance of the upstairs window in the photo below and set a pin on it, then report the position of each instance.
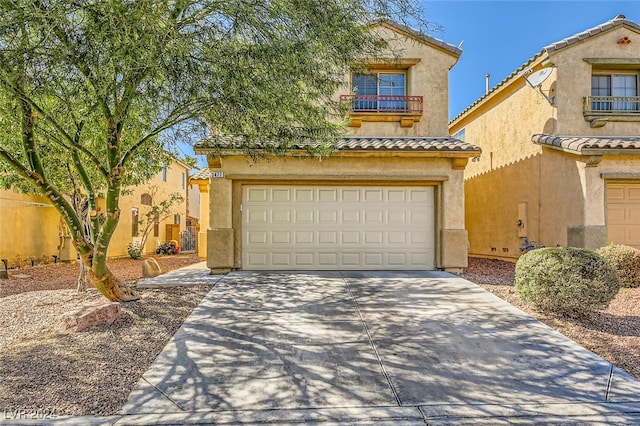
(617, 93)
(383, 91)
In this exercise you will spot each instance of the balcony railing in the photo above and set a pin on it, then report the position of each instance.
(384, 104)
(610, 105)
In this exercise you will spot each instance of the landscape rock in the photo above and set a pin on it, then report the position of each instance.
(91, 314)
(150, 268)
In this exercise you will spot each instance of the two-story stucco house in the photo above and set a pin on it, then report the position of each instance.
(389, 197)
(560, 163)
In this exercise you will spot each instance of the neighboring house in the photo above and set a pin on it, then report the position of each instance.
(31, 227)
(560, 162)
(173, 178)
(390, 197)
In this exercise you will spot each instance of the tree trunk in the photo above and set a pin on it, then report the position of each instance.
(106, 283)
(83, 278)
(112, 288)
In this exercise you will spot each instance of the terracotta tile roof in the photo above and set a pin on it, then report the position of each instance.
(590, 145)
(615, 22)
(202, 174)
(618, 21)
(435, 144)
(405, 144)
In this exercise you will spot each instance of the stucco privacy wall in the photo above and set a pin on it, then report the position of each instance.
(225, 236)
(28, 227)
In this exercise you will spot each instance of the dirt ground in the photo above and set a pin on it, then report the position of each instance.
(93, 371)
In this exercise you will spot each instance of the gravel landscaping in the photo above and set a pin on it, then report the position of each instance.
(46, 370)
(92, 372)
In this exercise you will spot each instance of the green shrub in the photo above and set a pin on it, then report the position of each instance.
(134, 250)
(625, 260)
(566, 281)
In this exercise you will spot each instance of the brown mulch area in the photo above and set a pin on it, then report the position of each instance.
(613, 333)
(48, 370)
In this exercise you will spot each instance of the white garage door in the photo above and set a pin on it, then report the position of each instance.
(337, 227)
(623, 214)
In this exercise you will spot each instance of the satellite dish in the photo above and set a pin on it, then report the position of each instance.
(538, 77)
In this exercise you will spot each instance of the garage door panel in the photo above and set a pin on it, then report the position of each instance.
(257, 237)
(350, 195)
(350, 237)
(327, 195)
(281, 237)
(304, 216)
(327, 216)
(280, 216)
(616, 214)
(634, 214)
(328, 237)
(373, 196)
(256, 194)
(396, 216)
(303, 237)
(303, 195)
(280, 195)
(282, 259)
(327, 259)
(332, 227)
(396, 196)
(373, 237)
(396, 237)
(350, 216)
(634, 194)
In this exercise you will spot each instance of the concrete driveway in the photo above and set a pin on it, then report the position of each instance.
(370, 348)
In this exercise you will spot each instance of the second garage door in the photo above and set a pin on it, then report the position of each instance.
(337, 227)
(623, 214)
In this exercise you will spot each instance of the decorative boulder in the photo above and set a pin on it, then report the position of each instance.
(150, 268)
(91, 314)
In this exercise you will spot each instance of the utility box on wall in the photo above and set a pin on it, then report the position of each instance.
(522, 220)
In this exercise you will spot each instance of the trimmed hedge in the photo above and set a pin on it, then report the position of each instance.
(625, 260)
(566, 281)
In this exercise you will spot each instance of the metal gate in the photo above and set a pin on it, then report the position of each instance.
(188, 241)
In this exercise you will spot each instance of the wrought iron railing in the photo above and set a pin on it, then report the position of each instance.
(384, 103)
(612, 104)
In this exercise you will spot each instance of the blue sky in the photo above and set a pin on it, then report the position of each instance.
(499, 36)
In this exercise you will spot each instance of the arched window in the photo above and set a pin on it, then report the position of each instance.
(146, 200)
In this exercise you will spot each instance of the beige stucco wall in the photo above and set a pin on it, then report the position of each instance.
(428, 78)
(225, 234)
(563, 194)
(28, 227)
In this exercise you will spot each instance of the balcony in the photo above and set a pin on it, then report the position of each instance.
(601, 109)
(383, 108)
